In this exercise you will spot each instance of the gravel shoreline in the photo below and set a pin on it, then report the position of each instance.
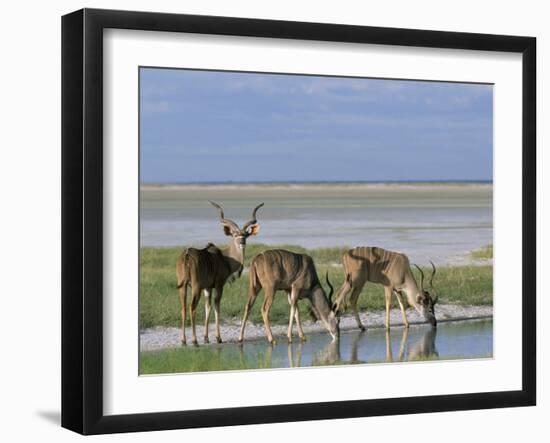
(159, 337)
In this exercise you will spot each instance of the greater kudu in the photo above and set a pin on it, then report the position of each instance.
(393, 271)
(210, 268)
(278, 269)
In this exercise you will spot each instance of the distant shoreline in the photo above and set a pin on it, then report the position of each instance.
(317, 185)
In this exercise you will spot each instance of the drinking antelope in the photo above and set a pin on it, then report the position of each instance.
(277, 269)
(210, 268)
(392, 270)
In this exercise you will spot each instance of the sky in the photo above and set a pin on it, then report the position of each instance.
(211, 126)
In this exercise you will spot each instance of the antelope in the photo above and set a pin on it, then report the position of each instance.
(392, 270)
(210, 268)
(277, 269)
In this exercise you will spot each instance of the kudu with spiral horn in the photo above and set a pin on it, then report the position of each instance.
(390, 269)
(208, 270)
(278, 269)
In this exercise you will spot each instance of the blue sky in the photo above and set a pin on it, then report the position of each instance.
(200, 126)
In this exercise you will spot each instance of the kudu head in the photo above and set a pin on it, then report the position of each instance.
(322, 309)
(427, 299)
(230, 228)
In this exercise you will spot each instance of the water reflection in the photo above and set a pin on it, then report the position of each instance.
(402, 346)
(294, 362)
(422, 348)
(451, 340)
(329, 355)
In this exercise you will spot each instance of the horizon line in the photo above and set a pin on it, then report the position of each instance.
(252, 182)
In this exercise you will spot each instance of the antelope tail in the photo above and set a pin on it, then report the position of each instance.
(253, 275)
(185, 268)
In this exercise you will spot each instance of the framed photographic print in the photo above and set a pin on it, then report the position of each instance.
(269, 221)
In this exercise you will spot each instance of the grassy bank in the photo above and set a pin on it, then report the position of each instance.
(199, 359)
(159, 301)
(484, 253)
(230, 358)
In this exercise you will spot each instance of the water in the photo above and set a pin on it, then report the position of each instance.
(451, 340)
(441, 222)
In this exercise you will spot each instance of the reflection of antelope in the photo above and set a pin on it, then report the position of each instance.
(210, 268)
(393, 271)
(389, 352)
(424, 348)
(330, 355)
(294, 362)
(277, 269)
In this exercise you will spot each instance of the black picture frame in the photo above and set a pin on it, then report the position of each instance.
(82, 220)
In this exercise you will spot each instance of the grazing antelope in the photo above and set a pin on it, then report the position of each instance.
(210, 268)
(277, 269)
(392, 270)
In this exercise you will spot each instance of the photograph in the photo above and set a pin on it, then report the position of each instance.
(289, 221)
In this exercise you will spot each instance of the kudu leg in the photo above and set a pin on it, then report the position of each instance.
(293, 301)
(252, 294)
(388, 293)
(299, 324)
(207, 293)
(183, 301)
(399, 296)
(297, 318)
(353, 302)
(340, 301)
(217, 301)
(195, 296)
(268, 301)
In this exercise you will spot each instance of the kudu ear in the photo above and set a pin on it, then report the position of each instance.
(253, 230)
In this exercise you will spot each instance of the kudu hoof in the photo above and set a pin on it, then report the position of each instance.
(206, 340)
(303, 338)
(183, 343)
(195, 342)
(362, 329)
(219, 339)
(273, 342)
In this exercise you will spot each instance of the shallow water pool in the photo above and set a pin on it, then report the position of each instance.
(451, 340)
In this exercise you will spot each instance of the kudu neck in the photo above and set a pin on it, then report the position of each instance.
(234, 256)
(320, 302)
(412, 290)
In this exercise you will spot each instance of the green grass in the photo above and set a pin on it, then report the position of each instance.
(160, 306)
(231, 358)
(198, 359)
(484, 253)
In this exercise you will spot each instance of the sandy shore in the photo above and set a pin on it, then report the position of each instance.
(317, 186)
(161, 337)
